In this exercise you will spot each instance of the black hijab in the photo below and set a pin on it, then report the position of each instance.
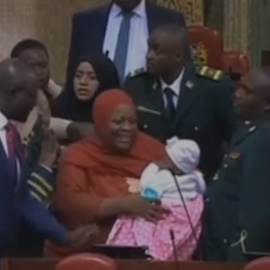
(67, 106)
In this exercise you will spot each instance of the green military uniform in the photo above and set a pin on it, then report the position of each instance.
(204, 112)
(237, 211)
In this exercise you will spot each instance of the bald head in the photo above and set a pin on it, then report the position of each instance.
(252, 97)
(168, 49)
(13, 72)
(258, 79)
(18, 87)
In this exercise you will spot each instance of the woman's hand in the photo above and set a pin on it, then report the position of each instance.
(133, 185)
(138, 206)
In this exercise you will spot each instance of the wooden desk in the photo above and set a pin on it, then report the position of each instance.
(43, 264)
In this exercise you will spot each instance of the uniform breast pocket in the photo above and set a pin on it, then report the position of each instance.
(153, 123)
(232, 174)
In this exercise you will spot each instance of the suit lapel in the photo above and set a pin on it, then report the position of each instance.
(155, 95)
(5, 175)
(99, 28)
(20, 153)
(188, 94)
(152, 19)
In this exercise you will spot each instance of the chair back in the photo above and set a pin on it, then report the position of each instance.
(260, 264)
(235, 62)
(86, 261)
(206, 46)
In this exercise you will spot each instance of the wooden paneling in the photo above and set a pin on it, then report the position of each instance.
(47, 20)
(193, 9)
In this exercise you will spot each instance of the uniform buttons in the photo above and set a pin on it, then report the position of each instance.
(196, 128)
(225, 166)
(145, 126)
(207, 200)
(225, 241)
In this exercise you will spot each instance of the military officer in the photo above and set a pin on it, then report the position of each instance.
(237, 212)
(174, 98)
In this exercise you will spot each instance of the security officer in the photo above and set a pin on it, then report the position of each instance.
(237, 212)
(173, 98)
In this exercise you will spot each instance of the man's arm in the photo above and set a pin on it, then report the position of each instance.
(66, 129)
(41, 184)
(254, 208)
(40, 218)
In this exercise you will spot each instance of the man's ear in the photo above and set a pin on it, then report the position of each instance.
(267, 107)
(179, 57)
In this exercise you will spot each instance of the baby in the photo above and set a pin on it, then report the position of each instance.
(158, 182)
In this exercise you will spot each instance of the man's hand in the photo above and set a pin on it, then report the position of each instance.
(77, 131)
(43, 109)
(82, 238)
(50, 150)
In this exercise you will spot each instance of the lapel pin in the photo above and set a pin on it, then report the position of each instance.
(155, 85)
(189, 84)
(252, 129)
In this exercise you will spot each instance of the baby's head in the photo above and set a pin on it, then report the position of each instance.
(184, 155)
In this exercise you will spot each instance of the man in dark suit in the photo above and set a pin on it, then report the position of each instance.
(174, 98)
(121, 30)
(18, 90)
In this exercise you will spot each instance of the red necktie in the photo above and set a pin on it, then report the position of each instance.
(13, 143)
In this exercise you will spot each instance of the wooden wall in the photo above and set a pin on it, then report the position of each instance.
(46, 20)
(50, 22)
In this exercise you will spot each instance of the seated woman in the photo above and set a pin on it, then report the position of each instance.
(94, 74)
(95, 173)
(183, 221)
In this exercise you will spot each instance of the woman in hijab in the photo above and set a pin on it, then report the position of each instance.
(94, 74)
(97, 174)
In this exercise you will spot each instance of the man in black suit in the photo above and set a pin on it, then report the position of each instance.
(119, 29)
(176, 98)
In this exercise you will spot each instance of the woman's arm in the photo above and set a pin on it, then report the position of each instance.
(78, 203)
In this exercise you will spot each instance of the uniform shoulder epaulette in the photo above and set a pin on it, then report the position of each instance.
(136, 72)
(210, 73)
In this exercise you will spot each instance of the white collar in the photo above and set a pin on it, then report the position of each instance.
(3, 121)
(139, 10)
(175, 86)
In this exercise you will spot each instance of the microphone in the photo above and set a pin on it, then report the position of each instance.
(174, 250)
(187, 213)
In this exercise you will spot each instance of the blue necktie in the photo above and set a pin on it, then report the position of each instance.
(120, 57)
(170, 108)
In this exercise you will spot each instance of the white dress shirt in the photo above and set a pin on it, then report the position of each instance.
(137, 46)
(175, 87)
(3, 133)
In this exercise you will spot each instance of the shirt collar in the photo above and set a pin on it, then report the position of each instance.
(175, 86)
(139, 10)
(3, 121)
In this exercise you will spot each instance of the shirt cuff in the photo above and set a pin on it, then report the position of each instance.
(59, 127)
